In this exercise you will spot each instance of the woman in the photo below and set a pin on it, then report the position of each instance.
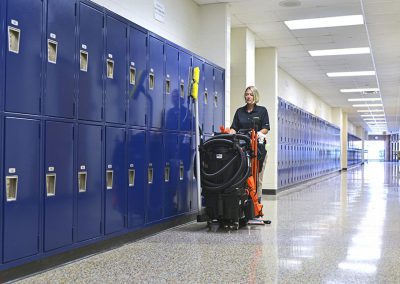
(247, 117)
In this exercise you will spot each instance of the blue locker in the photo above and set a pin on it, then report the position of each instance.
(1, 179)
(208, 99)
(171, 174)
(186, 106)
(156, 83)
(171, 88)
(91, 64)
(58, 185)
(115, 187)
(199, 63)
(136, 161)
(155, 177)
(2, 65)
(89, 184)
(185, 172)
(193, 182)
(219, 100)
(22, 194)
(116, 71)
(60, 84)
(23, 57)
(137, 96)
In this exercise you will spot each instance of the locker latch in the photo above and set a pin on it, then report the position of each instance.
(131, 174)
(151, 81)
(52, 51)
(51, 184)
(84, 60)
(132, 75)
(182, 93)
(150, 174)
(216, 100)
(110, 68)
(205, 97)
(11, 188)
(13, 39)
(109, 179)
(181, 170)
(167, 171)
(82, 179)
(167, 86)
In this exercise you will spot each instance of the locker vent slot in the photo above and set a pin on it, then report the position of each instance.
(150, 175)
(168, 86)
(181, 171)
(110, 69)
(51, 184)
(110, 177)
(52, 51)
(82, 178)
(11, 188)
(182, 90)
(84, 60)
(167, 171)
(216, 101)
(13, 39)
(151, 81)
(131, 175)
(205, 98)
(132, 75)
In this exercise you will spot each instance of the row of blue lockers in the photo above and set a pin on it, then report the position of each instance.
(308, 146)
(69, 183)
(354, 150)
(74, 59)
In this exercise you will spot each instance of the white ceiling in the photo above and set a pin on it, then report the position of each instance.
(381, 33)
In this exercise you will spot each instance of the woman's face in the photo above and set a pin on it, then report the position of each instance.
(248, 96)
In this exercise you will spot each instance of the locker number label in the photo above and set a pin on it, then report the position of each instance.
(132, 63)
(12, 170)
(109, 167)
(14, 22)
(83, 167)
(131, 165)
(110, 55)
(219, 156)
(53, 36)
(51, 169)
(84, 46)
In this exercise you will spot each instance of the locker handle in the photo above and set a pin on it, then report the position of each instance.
(151, 81)
(14, 36)
(52, 51)
(132, 75)
(167, 86)
(51, 184)
(216, 100)
(167, 171)
(131, 175)
(110, 69)
(109, 179)
(205, 98)
(82, 181)
(84, 60)
(150, 175)
(11, 188)
(182, 90)
(181, 171)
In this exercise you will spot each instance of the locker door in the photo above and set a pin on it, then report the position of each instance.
(2, 64)
(186, 114)
(185, 173)
(89, 173)
(155, 175)
(58, 186)
(22, 197)
(199, 63)
(192, 181)
(171, 89)
(208, 99)
(171, 174)
(115, 196)
(156, 83)
(23, 58)
(91, 50)
(59, 88)
(116, 66)
(137, 78)
(136, 177)
(219, 99)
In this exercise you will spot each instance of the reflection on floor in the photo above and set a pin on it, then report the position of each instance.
(345, 229)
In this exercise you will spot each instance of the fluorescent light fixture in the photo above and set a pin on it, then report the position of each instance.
(325, 22)
(367, 105)
(370, 110)
(371, 115)
(340, 51)
(360, 90)
(375, 119)
(364, 100)
(351, 74)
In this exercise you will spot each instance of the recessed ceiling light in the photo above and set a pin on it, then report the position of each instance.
(341, 51)
(364, 100)
(289, 3)
(367, 105)
(370, 110)
(325, 22)
(360, 90)
(351, 74)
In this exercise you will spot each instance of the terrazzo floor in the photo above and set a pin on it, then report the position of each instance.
(344, 229)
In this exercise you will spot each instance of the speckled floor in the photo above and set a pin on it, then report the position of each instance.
(345, 229)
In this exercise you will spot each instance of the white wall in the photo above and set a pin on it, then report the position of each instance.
(295, 93)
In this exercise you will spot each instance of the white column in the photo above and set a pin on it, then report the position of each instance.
(267, 84)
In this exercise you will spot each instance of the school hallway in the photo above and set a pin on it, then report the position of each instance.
(344, 228)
